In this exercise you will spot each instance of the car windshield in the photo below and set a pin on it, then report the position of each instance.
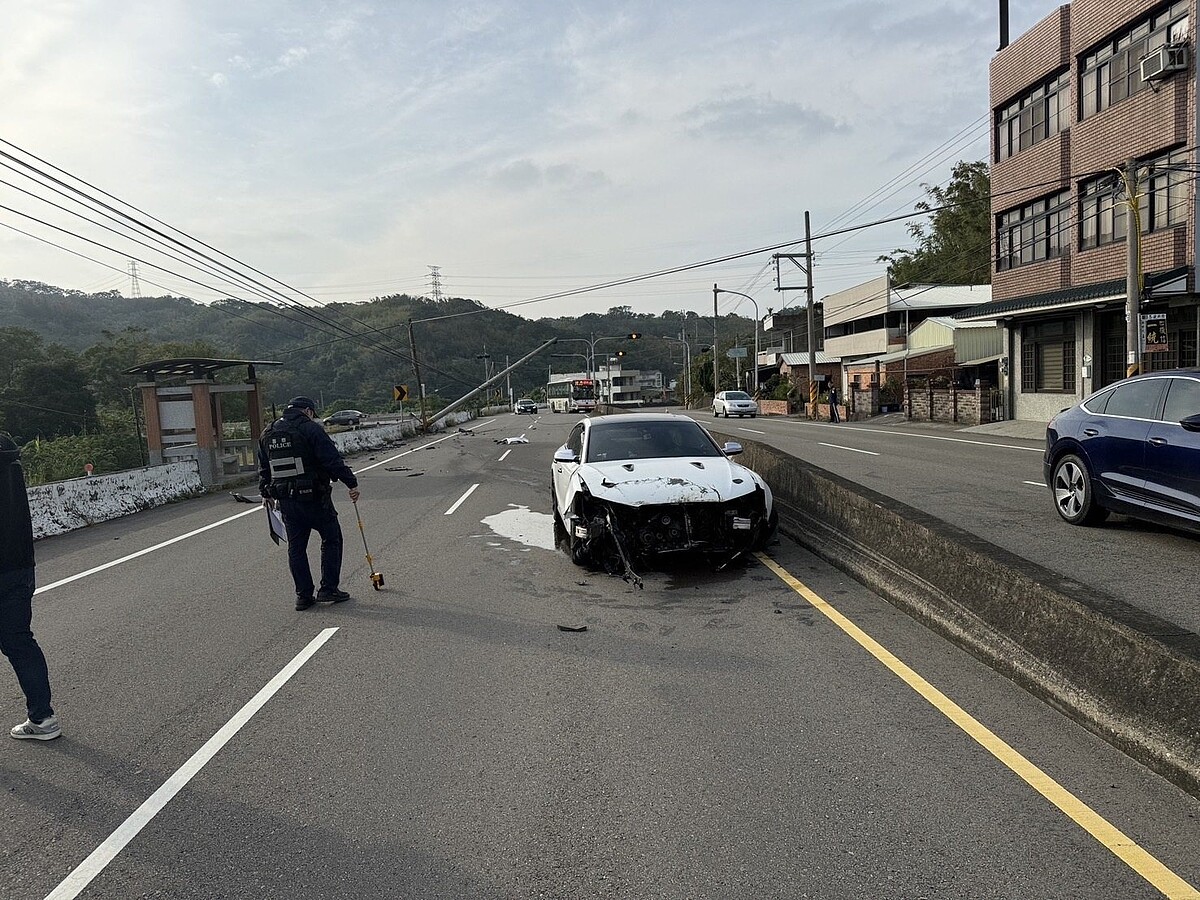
(648, 440)
(736, 395)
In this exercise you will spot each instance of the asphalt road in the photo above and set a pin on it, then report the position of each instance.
(718, 735)
(993, 488)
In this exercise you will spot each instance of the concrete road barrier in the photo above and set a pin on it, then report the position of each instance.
(1125, 674)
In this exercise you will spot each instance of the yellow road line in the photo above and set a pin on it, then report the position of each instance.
(1123, 847)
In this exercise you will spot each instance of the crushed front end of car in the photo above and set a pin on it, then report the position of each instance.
(617, 537)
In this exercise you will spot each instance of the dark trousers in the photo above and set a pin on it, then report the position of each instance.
(834, 415)
(300, 519)
(17, 643)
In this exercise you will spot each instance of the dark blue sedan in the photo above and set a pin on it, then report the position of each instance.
(1131, 448)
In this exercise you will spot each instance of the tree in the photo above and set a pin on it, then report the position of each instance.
(954, 247)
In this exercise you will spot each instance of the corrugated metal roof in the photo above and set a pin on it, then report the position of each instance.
(801, 359)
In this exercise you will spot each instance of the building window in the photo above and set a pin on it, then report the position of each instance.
(1033, 117)
(1163, 187)
(1032, 233)
(1112, 71)
(1048, 357)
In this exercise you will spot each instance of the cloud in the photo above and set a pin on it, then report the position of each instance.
(756, 117)
(219, 79)
(289, 59)
(526, 175)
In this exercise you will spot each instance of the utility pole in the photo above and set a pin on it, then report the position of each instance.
(1133, 281)
(412, 347)
(716, 376)
(812, 350)
(811, 343)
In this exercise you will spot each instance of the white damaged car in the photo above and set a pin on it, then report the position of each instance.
(627, 488)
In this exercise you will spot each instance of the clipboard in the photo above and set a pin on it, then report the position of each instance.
(275, 525)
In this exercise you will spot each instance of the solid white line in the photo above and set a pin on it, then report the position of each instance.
(1035, 483)
(851, 449)
(99, 858)
(459, 501)
(751, 430)
(504, 454)
(125, 559)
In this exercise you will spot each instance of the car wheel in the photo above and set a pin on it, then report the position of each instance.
(767, 534)
(560, 530)
(752, 415)
(1074, 494)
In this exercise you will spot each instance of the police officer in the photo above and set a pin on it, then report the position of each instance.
(297, 465)
(16, 599)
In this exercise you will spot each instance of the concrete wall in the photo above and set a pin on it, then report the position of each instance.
(1126, 675)
(66, 505)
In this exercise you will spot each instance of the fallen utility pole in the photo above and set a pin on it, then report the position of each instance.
(495, 378)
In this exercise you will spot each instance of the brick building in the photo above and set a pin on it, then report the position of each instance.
(1072, 101)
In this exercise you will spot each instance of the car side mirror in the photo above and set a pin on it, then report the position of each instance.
(731, 448)
(1191, 423)
(565, 454)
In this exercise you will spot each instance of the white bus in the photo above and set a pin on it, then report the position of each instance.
(578, 396)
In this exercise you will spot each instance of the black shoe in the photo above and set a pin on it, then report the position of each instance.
(332, 596)
(305, 602)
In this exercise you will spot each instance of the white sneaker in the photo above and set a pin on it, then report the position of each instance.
(46, 730)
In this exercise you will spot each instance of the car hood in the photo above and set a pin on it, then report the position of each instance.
(638, 482)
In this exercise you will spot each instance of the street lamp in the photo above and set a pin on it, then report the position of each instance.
(717, 290)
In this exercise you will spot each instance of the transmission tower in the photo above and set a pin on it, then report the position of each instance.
(135, 286)
(435, 283)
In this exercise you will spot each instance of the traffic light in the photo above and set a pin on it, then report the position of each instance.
(634, 335)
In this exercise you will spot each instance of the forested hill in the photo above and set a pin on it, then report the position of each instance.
(318, 358)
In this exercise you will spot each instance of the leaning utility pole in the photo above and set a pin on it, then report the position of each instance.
(1133, 281)
(412, 347)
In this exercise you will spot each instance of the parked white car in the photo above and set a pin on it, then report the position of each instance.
(734, 403)
(627, 488)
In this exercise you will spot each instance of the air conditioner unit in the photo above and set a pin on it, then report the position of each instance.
(1162, 62)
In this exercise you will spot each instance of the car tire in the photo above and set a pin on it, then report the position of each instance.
(560, 530)
(1074, 492)
(752, 415)
(768, 533)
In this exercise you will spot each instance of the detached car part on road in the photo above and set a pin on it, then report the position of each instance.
(1132, 447)
(628, 488)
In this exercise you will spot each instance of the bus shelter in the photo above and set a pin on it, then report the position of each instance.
(185, 415)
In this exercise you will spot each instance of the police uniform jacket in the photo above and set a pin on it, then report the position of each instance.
(319, 449)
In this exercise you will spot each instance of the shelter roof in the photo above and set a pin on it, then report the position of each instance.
(194, 368)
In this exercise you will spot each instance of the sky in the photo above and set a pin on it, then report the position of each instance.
(523, 148)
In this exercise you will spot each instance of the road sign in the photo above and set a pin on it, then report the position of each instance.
(736, 353)
(399, 392)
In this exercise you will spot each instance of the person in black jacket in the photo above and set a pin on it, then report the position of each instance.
(297, 465)
(16, 599)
